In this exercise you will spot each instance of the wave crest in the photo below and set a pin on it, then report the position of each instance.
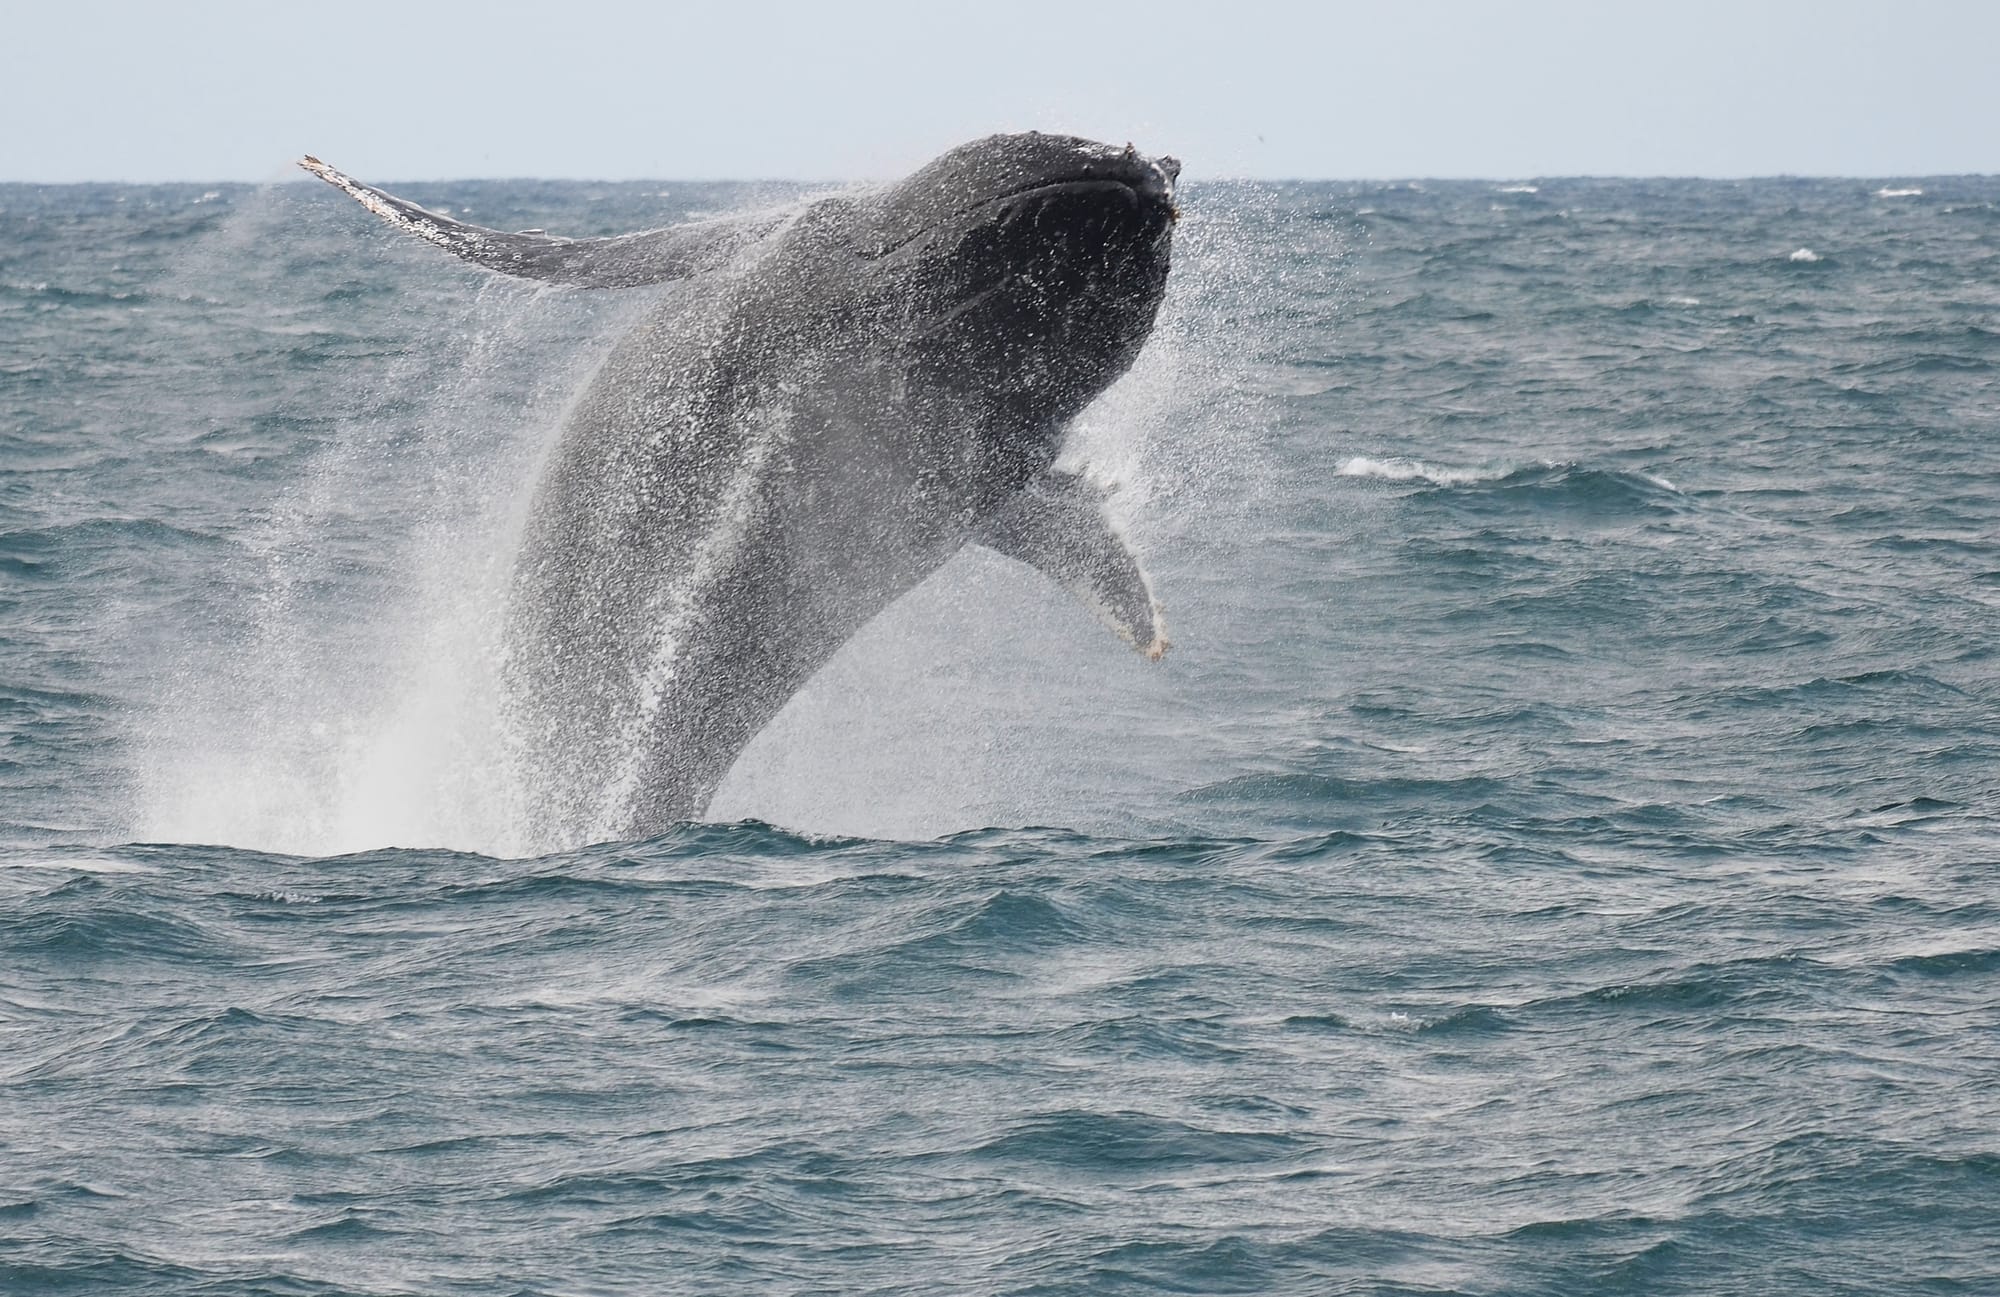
(1395, 468)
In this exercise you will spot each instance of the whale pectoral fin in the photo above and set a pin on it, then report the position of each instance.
(1057, 525)
(625, 261)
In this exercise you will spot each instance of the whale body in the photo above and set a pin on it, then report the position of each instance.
(843, 396)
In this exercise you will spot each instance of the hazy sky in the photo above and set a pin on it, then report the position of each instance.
(197, 90)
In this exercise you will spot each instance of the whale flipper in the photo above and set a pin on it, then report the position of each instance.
(1057, 525)
(624, 261)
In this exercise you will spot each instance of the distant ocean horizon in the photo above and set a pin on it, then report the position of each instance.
(282, 172)
(1560, 853)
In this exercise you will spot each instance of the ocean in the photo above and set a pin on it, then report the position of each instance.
(1560, 853)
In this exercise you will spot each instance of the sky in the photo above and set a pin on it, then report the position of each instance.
(619, 89)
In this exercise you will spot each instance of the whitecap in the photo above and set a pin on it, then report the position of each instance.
(1804, 254)
(1518, 189)
(1886, 192)
(1395, 468)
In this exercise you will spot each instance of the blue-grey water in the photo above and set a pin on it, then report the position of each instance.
(1559, 854)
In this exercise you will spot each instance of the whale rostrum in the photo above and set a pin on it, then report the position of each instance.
(841, 396)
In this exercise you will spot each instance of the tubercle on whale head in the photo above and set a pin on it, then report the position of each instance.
(1170, 166)
(974, 182)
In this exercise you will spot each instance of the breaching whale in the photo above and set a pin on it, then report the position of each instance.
(842, 396)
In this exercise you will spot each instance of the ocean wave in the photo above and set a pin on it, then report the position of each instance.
(85, 861)
(52, 929)
(1577, 808)
(1576, 490)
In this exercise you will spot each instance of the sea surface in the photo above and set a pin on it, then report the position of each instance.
(1560, 854)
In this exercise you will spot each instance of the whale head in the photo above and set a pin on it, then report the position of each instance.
(1035, 262)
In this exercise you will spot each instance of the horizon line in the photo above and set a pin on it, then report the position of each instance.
(1497, 178)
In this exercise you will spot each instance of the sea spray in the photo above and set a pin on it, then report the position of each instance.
(352, 699)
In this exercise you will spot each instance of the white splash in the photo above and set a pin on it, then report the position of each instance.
(344, 692)
(1804, 254)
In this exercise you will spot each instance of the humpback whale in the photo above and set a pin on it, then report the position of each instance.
(839, 398)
